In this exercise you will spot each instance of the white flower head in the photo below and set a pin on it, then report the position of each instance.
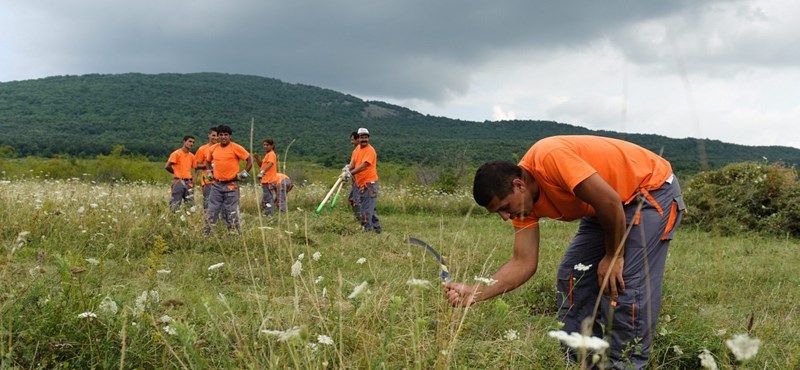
(357, 290)
(743, 347)
(88, 314)
(707, 360)
(163, 271)
(316, 256)
(283, 335)
(324, 339)
(170, 330)
(677, 349)
(92, 261)
(582, 267)
(216, 266)
(324, 292)
(318, 279)
(487, 281)
(510, 335)
(165, 319)
(361, 261)
(297, 268)
(81, 209)
(93, 205)
(312, 346)
(577, 341)
(418, 283)
(107, 305)
(301, 256)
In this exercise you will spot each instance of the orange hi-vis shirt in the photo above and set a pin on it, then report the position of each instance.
(226, 160)
(182, 164)
(200, 156)
(560, 163)
(272, 174)
(370, 173)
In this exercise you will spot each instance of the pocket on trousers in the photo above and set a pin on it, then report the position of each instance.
(677, 207)
(623, 313)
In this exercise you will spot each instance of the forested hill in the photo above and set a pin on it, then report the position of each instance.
(149, 114)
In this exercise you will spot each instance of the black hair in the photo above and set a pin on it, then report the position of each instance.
(268, 140)
(213, 129)
(187, 137)
(224, 129)
(494, 179)
(354, 135)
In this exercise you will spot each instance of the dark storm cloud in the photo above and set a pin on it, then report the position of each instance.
(399, 49)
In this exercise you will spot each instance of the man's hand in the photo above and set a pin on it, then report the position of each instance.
(243, 174)
(461, 295)
(260, 174)
(615, 282)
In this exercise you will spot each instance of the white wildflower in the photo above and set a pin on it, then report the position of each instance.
(721, 332)
(324, 339)
(418, 283)
(170, 330)
(743, 347)
(93, 205)
(297, 268)
(107, 305)
(81, 209)
(165, 319)
(582, 267)
(318, 279)
(707, 360)
(510, 335)
(216, 266)
(357, 290)
(678, 350)
(312, 346)
(487, 281)
(140, 305)
(301, 256)
(183, 218)
(193, 209)
(576, 340)
(87, 314)
(361, 261)
(316, 256)
(92, 261)
(163, 271)
(324, 292)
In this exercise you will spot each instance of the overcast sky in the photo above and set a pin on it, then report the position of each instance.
(725, 70)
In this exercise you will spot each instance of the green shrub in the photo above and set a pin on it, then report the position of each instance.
(745, 197)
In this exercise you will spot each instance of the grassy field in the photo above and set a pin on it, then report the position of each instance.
(104, 276)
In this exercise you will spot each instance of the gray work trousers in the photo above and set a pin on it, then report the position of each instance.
(368, 195)
(632, 316)
(223, 196)
(182, 191)
(354, 198)
(206, 194)
(274, 194)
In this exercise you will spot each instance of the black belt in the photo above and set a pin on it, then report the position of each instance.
(178, 178)
(231, 180)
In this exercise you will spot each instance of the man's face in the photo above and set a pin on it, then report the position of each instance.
(518, 204)
(354, 140)
(268, 147)
(188, 144)
(363, 139)
(224, 138)
(212, 137)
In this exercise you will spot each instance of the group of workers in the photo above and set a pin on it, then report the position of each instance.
(626, 197)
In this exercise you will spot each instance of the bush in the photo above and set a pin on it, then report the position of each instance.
(745, 197)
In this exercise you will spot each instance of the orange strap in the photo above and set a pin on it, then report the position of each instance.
(673, 215)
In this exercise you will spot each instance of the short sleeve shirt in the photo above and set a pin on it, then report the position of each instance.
(226, 160)
(560, 163)
(370, 173)
(182, 163)
(272, 174)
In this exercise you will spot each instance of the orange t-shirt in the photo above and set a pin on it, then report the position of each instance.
(560, 163)
(200, 157)
(370, 173)
(182, 164)
(271, 174)
(226, 160)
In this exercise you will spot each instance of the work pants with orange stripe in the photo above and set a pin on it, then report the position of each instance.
(224, 196)
(368, 201)
(632, 316)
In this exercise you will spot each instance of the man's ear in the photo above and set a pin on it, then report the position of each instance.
(518, 184)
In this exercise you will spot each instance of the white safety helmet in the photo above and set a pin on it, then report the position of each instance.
(362, 131)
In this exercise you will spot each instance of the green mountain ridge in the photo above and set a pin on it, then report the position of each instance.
(88, 115)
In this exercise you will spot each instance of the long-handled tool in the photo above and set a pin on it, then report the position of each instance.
(337, 184)
(444, 272)
(336, 197)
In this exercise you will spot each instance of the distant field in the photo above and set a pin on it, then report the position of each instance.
(72, 247)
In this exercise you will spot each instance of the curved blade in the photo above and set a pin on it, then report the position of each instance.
(444, 272)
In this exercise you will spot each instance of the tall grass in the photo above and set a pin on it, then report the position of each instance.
(72, 246)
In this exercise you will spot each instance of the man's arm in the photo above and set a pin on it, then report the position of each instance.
(249, 164)
(519, 269)
(359, 168)
(608, 209)
(168, 167)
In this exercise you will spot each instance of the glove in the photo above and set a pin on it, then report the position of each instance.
(260, 174)
(348, 175)
(346, 168)
(209, 175)
(243, 174)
